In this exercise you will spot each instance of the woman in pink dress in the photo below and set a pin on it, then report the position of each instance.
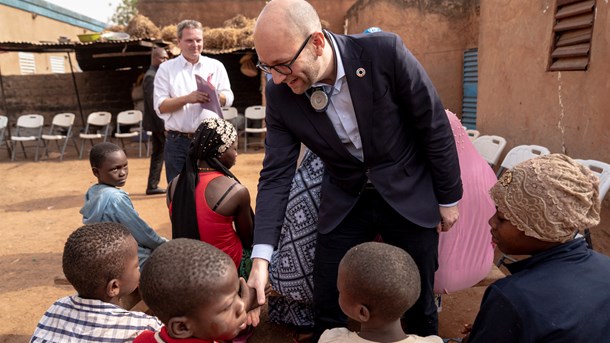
(465, 253)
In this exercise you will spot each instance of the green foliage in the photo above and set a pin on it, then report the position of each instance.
(125, 11)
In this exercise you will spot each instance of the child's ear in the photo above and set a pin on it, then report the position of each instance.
(364, 314)
(177, 327)
(113, 288)
(95, 171)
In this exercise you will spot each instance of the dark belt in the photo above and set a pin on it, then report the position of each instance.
(183, 134)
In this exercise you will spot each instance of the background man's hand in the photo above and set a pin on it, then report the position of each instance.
(195, 97)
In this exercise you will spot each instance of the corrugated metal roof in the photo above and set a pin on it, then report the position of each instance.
(225, 51)
(55, 12)
(106, 54)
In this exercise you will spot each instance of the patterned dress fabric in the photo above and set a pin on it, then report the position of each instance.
(291, 268)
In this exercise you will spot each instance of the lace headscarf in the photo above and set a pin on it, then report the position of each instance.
(549, 197)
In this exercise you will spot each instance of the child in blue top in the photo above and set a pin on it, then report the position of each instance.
(106, 202)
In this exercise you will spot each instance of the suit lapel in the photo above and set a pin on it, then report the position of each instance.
(321, 123)
(360, 87)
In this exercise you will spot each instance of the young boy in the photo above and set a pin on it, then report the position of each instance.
(377, 283)
(101, 263)
(105, 202)
(194, 289)
(561, 293)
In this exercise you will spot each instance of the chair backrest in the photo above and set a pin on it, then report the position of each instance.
(229, 113)
(490, 147)
(3, 124)
(601, 170)
(99, 118)
(473, 134)
(63, 119)
(131, 117)
(30, 121)
(255, 112)
(522, 153)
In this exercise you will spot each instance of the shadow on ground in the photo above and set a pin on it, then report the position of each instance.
(28, 271)
(60, 202)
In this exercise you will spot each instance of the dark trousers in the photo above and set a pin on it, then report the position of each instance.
(175, 154)
(371, 216)
(156, 159)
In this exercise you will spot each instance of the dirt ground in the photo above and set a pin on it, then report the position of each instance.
(39, 208)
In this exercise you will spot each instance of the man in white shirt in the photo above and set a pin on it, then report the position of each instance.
(177, 100)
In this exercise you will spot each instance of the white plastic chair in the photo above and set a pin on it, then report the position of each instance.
(3, 125)
(61, 129)
(490, 147)
(229, 114)
(129, 119)
(601, 170)
(29, 129)
(254, 113)
(101, 121)
(521, 153)
(473, 134)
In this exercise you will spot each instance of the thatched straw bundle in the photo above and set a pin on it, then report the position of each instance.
(169, 34)
(239, 22)
(142, 27)
(236, 33)
(115, 28)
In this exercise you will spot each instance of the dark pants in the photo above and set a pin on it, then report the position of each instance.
(370, 216)
(175, 154)
(156, 159)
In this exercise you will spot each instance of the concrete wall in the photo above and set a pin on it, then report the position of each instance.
(437, 33)
(213, 13)
(22, 26)
(53, 93)
(520, 100)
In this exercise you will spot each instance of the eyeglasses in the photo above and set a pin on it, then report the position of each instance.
(283, 68)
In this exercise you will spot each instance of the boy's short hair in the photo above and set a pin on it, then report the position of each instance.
(93, 255)
(382, 276)
(99, 151)
(181, 275)
(549, 197)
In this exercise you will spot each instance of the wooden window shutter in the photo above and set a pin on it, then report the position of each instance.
(572, 34)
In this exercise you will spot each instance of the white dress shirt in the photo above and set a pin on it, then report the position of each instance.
(341, 111)
(176, 77)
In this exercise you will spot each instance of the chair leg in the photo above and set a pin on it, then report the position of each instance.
(46, 148)
(82, 147)
(13, 148)
(245, 142)
(23, 149)
(63, 149)
(75, 146)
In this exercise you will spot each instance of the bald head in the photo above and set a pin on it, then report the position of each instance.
(293, 18)
(158, 56)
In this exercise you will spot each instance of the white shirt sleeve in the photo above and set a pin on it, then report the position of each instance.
(161, 90)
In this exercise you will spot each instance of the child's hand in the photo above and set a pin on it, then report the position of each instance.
(248, 296)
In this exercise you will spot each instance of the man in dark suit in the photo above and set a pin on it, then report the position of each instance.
(153, 123)
(366, 107)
